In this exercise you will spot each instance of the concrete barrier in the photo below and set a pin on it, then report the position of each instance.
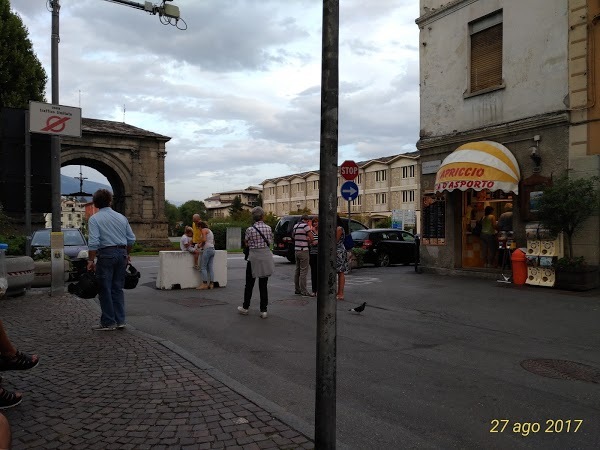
(176, 270)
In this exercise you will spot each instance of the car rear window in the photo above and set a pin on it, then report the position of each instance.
(283, 226)
(360, 235)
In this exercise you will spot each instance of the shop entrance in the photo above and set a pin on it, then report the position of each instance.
(474, 204)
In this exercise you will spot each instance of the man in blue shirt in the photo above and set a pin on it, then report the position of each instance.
(110, 240)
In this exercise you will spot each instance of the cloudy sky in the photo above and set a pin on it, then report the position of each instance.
(238, 91)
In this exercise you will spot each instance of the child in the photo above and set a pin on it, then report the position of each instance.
(186, 245)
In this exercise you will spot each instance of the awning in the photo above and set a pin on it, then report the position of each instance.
(479, 165)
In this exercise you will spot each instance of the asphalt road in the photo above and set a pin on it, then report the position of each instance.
(431, 363)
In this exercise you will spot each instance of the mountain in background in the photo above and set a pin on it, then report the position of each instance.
(70, 185)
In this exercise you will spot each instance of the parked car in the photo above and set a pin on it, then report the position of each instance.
(282, 235)
(385, 246)
(75, 247)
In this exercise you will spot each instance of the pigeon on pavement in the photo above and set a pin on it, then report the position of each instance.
(359, 309)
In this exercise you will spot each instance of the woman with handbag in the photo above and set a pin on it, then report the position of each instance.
(258, 239)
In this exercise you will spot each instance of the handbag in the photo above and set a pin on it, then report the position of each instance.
(132, 276)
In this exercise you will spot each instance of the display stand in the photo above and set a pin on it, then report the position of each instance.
(542, 252)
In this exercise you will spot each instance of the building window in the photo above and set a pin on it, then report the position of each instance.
(316, 185)
(408, 172)
(381, 175)
(284, 189)
(381, 199)
(357, 201)
(299, 187)
(272, 190)
(408, 196)
(359, 178)
(486, 52)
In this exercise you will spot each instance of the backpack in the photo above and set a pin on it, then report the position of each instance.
(86, 287)
(348, 242)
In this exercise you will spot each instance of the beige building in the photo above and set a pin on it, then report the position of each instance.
(218, 204)
(72, 214)
(385, 184)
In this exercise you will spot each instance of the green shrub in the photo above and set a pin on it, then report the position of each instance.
(16, 244)
(359, 254)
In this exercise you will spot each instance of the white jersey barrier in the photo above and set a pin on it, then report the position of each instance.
(176, 270)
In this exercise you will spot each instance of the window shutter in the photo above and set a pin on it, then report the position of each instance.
(486, 58)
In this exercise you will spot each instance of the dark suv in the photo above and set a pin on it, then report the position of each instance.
(283, 234)
(385, 246)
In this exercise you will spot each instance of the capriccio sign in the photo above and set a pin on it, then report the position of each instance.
(462, 172)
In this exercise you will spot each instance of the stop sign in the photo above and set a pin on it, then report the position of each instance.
(349, 170)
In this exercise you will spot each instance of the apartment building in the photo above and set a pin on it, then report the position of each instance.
(72, 214)
(218, 204)
(508, 102)
(385, 184)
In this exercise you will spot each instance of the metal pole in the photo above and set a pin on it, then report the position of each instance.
(325, 395)
(27, 186)
(56, 241)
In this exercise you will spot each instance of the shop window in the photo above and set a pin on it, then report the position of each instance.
(486, 53)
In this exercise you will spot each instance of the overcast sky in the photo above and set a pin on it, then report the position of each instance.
(238, 91)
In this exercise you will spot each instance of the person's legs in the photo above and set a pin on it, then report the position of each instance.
(297, 274)
(249, 286)
(6, 347)
(210, 265)
(264, 293)
(340, 286)
(5, 433)
(104, 276)
(314, 272)
(302, 258)
(117, 294)
(204, 266)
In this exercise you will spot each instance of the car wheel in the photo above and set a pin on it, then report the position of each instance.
(383, 260)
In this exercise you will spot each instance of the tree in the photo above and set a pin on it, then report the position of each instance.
(22, 77)
(568, 203)
(172, 214)
(191, 207)
(259, 200)
(236, 207)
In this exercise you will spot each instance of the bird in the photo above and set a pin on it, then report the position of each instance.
(359, 309)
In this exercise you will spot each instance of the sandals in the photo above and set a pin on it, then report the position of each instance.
(21, 361)
(9, 399)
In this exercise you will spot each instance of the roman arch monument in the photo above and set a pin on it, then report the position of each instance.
(133, 161)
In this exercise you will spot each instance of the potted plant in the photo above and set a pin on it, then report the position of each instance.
(564, 207)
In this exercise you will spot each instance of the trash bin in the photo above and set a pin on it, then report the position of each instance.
(3, 271)
(519, 266)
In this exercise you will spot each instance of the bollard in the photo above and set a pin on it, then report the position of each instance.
(519, 266)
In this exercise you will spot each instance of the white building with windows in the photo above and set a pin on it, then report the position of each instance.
(385, 184)
(218, 204)
(72, 214)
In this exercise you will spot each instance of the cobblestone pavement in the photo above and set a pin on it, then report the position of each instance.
(120, 389)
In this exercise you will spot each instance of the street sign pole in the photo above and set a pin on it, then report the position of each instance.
(57, 240)
(325, 388)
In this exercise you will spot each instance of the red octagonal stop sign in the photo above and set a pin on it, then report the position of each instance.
(349, 170)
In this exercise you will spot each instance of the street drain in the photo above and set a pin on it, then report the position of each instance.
(562, 370)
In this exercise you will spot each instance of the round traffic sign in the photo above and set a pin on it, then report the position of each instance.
(349, 170)
(349, 191)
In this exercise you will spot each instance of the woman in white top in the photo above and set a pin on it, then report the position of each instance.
(208, 257)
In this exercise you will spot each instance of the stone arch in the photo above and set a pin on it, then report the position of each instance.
(132, 159)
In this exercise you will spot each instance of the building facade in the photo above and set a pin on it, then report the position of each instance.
(385, 184)
(218, 204)
(495, 87)
(73, 214)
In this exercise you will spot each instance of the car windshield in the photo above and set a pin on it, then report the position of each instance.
(42, 238)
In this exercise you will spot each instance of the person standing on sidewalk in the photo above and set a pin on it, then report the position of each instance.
(258, 239)
(313, 253)
(303, 236)
(197, 240)
(208, 257)
(110, 239)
